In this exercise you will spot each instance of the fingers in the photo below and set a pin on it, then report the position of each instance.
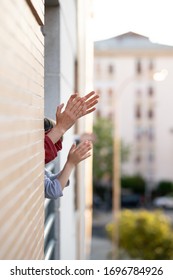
(80, 110)
(87, 96)
(88, 106)
(71, 100)
(84, 147)
(86, 155)
(91, 102)
(79, 153)
(89, 111)
(58, 110)
(75, 104)
(72, 97)
(80, 106)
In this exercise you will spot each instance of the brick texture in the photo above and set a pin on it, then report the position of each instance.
(21, 136)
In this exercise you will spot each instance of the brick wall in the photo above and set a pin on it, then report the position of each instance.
(21, 126)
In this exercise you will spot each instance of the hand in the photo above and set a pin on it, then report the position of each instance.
(81, 106)
(79, 153)
(72, 111)
(91, 99)
(76, 108)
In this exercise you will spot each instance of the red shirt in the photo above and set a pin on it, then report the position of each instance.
(51, 149)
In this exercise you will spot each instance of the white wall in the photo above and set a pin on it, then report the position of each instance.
(68, 36)
(164, 115)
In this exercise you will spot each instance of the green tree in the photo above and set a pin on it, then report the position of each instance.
(103, 149)
(165, 187)
(134, 183)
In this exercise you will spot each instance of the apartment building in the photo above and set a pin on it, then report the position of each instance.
(45, 48)
(134, 79)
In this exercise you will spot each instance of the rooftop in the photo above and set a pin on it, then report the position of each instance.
(129, 41)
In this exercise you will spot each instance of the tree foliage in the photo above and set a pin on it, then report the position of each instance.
(144, 235)
(134, 183)
(103, 149)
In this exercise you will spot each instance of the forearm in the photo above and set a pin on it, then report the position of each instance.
(64, 175)
(55, 134)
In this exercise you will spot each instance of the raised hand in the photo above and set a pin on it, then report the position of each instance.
(75, 155)
(76, 108)
(91, 99)
(79, 153)
(81, 106)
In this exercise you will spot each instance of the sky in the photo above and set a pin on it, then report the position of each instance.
(151, 18)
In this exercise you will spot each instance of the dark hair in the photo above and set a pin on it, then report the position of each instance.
(48, 124)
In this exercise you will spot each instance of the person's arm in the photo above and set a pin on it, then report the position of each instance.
(51, 149)
(76, 155)
(52, 186)
(90, 99)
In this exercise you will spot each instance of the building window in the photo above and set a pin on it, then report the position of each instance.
(150, 133)
(151, 157)
(138, 67)
(138, 159)
(150, 91)
(110, 95)
(138, 112)
(151, 65)
(139, 133)
(150, 114)
(110, 69)
(110, 92)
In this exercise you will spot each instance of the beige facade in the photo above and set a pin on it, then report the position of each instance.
(133, 75)
(39, 53)
(21, 124)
